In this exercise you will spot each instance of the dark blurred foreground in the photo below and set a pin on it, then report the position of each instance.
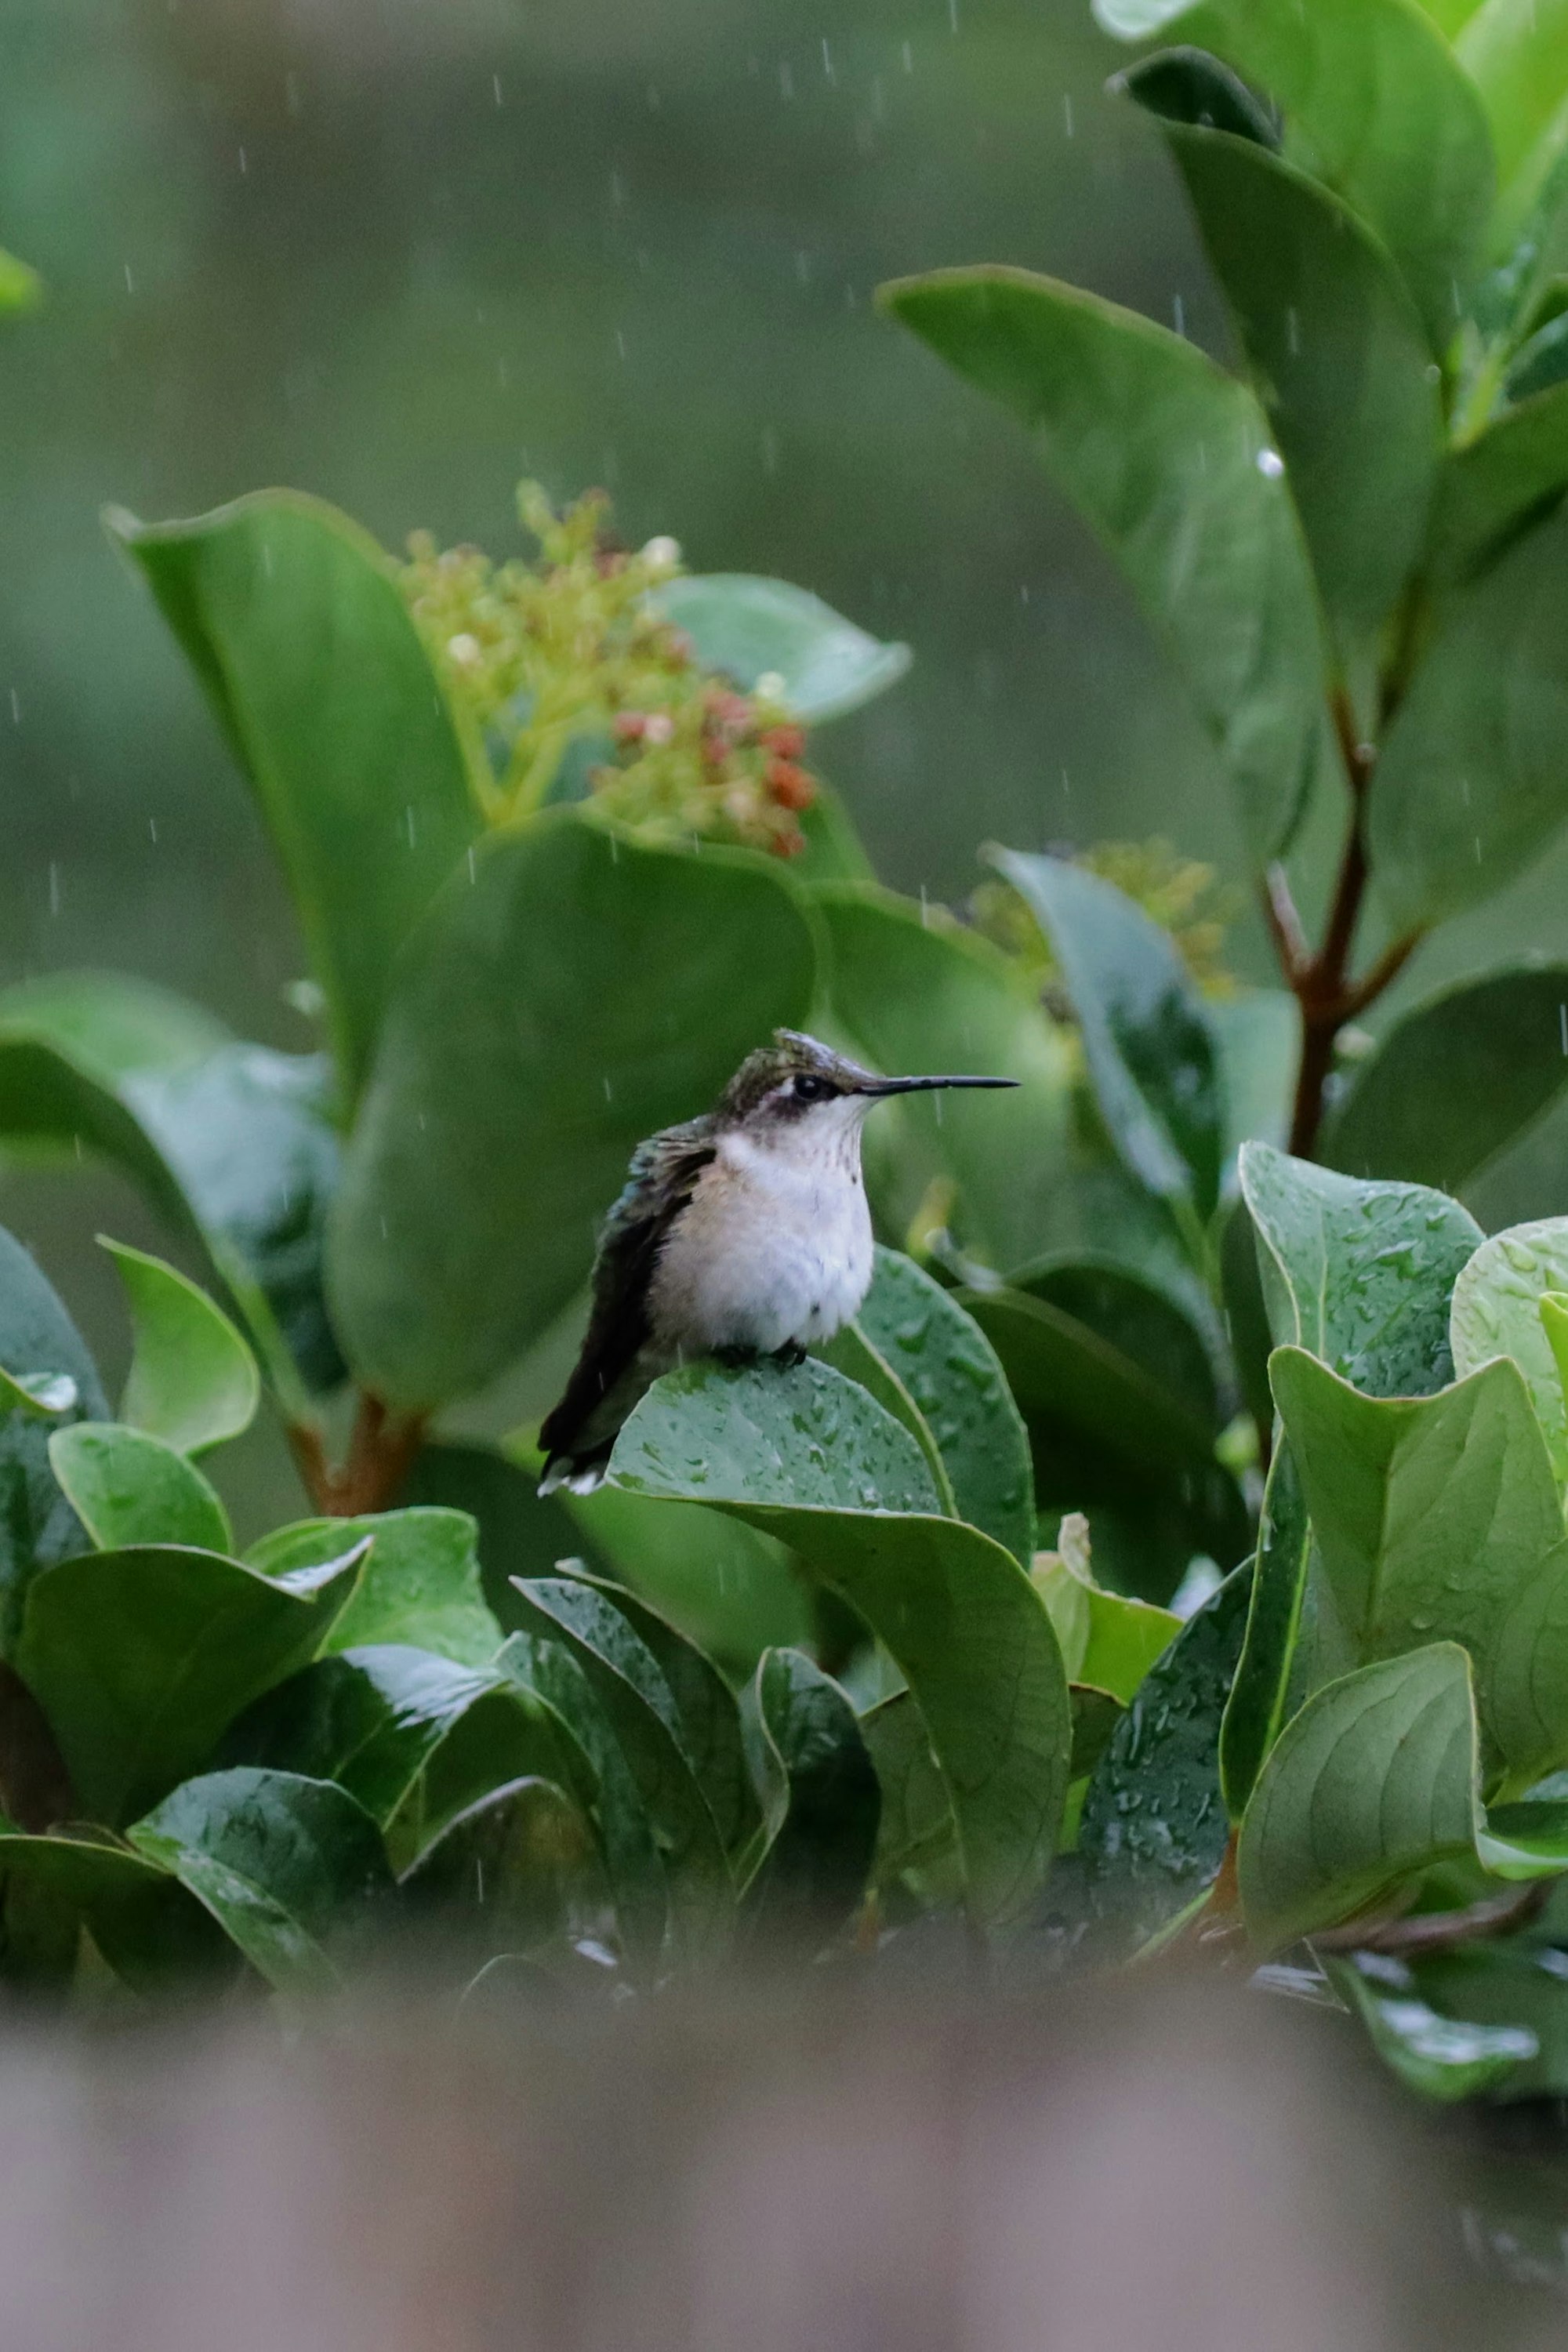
(1097, 2169)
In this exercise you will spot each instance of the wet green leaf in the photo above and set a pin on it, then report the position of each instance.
(503, 1870)
(824, 1805)
(573, 995)
(149, 1929)
(1375, 106)
(192, 1381)
(141, 1658)
(1441, 2057)
(1455, 1080)
(1260, 1696)
(1358, 1273)
(1516, 53)
(292, 619)
(745, 627)
(814, 1461)
(1439, 1517)
(285, 1865)
(1340, 359)
(1171, 463)
(1497, 1311)
(1490, 486)
(916, 1827)
(1468, 788)
(631, 1688)
(1139, 1319)
(1146, 1036)
(1375, 1779)
(38, 1342)
(1153, 1828)
(420, 1584)
(1188, 86)
(915, 993)
(128, 1488)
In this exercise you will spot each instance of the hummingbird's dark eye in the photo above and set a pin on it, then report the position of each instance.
(808, 1089)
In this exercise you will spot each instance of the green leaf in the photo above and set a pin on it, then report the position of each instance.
(1490, 488)
(368, 1719)
(150, 1930)
(916, 1829)
(21, 289)
(1137, 1316)
(1170, 462)
(850, 1352)
(1376, 107)
(834, 851)
(1259, 1038)
(1510, 1987)
(38, 1342)
(1339, 357)
(576, 994)
(915, 992)
(286, 1866)
(232, 1144)
(746, 627)
(1188, 86)
(1438, 2056)
(1468, 789)
(141, 1658)
(1439, 1517)
(1153, 1827)
(420, 1584)
(1376, 1779)
(1455, 1080)
(291, 617)
(825, 1806)
(192, 1381)
(1497, 1311)
(632, 1689)
(1127, 1639)
(128, 1489)
(811, 1459)
(942, 1358)
(1146, 1035)
(1516, 53)
(605, 1781)
(1260, 1696)
(502, 1872)
(1358, 1273)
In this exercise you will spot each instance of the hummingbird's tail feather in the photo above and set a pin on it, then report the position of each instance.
(577, 1477)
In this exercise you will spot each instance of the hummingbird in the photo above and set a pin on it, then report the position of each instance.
(740, 1235)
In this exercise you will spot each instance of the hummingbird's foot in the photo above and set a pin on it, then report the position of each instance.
(791, 1354)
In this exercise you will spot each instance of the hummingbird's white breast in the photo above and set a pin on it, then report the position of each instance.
(775, 1245)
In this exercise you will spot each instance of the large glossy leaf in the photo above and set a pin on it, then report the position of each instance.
(949, 1368)
(746, 627)
(1492, 485)
(1340, 359)
(635, 1694)
(141, 1658)
(1175, 1345)
(145, 1925)
(1516, 53)
(38, 1342)
(575, 994)
(286, 1866)
(815, 1461)
(293, 622)
(1439, 1517)
(1375, 106)
(824, 1805)
(420, 1583)
(1438, 2056)
(1374, 1780)
(1170, 462)
(1151, 1051)
(1455, 1080)
(1153, 1827)
(1261, 1693)
(500, 1875)
(368, 1719)
(1497, 1312)
(1360, 1274)
(1469, 787)
(232, 1144)
(128, 1488)
(193, 1381)
(915, 992)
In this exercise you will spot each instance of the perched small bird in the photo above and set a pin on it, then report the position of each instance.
(741, 1233)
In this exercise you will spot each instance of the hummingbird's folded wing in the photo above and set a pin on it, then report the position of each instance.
(663, 1175)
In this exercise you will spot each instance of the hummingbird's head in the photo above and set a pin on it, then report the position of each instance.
(798, 1082)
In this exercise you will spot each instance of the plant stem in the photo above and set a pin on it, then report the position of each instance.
(381, 1447)
(1438, 1931)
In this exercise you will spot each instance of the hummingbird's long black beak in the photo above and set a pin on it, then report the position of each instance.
(924, 1085)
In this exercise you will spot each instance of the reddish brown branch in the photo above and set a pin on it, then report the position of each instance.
(1438, 1931)
(381, 1447)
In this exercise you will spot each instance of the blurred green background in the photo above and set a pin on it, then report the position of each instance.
(399, 252)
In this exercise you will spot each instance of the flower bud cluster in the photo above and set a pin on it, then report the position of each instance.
(1182, 896)
(568, 653)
